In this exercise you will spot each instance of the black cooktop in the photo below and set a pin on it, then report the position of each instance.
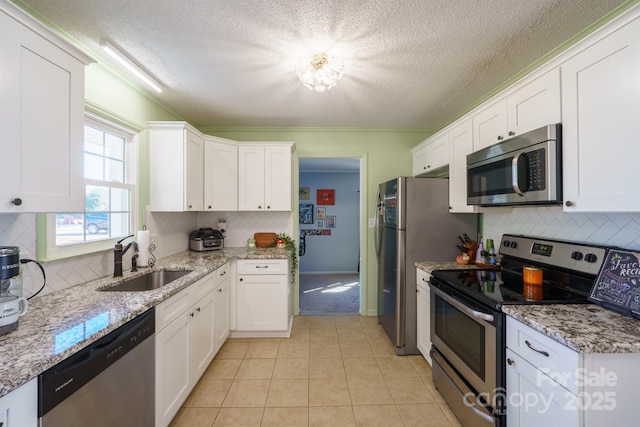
(495, 288)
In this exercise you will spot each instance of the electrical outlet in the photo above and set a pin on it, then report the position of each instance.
(4, 417)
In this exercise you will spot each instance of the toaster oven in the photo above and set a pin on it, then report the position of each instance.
(206, 239)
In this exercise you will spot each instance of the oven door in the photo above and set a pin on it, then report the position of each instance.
(466, 335)
(529, 175)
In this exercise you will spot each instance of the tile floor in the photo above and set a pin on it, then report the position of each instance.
(333, 371)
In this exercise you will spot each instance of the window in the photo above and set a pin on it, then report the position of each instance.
(110, 195)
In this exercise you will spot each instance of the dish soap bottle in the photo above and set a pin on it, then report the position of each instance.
(479, 252)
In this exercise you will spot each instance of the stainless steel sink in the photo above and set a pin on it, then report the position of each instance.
(149, 281)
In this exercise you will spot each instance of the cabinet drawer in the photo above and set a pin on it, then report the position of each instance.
(422, 277)
(169, 310)
(548, 356)
(262, 266)
(222, 273)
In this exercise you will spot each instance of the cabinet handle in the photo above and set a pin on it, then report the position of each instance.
(262, 266)
(190, 206)
(198, 309)
(569, 203)
(220, 290)
(209, 206)
(259, 207)
(223, 273)
(500, 137)
(268, 207)
(510, 362)
(424, 279)
(16, 202)
(424, 167)
(192, 314)
(428, 166)
(544, 353)
(241, 279)
(511, 133)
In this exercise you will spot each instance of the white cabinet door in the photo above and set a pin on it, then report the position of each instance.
(201, 336)
(419, 157)
(262, 302)
(490, 125)
(176, 167)
(222, 306)
(251, 178)
(42, 119)
(21, 405)
(424, 321)
(172, 369)
(277, 178)
(194, 171)
(264, 181)
(534, 400)
(535, 105)
(220, 175)
(460, 144)
(431, 155)
(601, 111)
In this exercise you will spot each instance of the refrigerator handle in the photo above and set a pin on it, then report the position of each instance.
(375, 226)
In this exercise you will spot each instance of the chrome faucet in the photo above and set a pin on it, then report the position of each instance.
(119, 251)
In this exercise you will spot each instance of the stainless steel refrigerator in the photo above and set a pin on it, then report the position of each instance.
(413, 224)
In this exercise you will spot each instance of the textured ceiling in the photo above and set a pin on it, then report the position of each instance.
(408, 64)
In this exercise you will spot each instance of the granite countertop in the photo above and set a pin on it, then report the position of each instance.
(60, 324)
(430, 266)
(585, 328)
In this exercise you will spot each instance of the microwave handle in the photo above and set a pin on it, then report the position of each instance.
(514, 174)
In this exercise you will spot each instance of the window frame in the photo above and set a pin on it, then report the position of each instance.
(47, 250)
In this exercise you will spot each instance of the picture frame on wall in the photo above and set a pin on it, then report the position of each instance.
(331, 221)
(325, 197)
(304, 193)
(320, 223)
(321, 213)
(306, 214)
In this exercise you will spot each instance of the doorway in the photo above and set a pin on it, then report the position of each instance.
(329, 230)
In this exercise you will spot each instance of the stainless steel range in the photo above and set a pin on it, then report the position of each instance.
(468, 327)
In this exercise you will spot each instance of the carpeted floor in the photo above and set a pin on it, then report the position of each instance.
(329, 294)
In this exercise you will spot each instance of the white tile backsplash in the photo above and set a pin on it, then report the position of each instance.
(170, 231)
(613, 229)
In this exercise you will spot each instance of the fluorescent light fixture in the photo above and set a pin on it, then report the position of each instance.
(130, 66)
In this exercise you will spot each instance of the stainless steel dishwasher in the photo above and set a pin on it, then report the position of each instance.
(109, 383)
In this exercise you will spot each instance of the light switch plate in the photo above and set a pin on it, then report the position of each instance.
(372, 222)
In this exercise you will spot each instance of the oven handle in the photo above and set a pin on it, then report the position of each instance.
(469, 311)
(514, 174)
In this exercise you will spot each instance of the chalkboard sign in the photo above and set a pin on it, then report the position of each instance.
(618, 284)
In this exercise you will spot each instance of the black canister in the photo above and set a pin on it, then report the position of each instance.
(9, 262)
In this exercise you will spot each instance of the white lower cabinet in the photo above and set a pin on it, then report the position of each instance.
(551, 384)
(263, 293)
(222, 304)
(20, 407)
(423, 314)
(185, 344)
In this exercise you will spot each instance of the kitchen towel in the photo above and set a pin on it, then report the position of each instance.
(144, 240)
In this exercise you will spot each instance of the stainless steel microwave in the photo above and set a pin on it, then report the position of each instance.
(523, 170)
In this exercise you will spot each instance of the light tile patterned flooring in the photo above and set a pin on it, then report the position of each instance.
(333, 371)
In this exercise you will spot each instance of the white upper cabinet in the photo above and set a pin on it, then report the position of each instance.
(601, 124)
(460, 144)
(176, 167)
(532, 105)
(431, 155)
(41, 117)
(264, 181)
(220, 174)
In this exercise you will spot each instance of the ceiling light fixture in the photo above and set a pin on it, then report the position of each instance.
(320, 71)
(130, 66)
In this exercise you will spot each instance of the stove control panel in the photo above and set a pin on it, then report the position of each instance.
(580, 257)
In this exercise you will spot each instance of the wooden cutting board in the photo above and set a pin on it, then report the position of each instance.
(264, 240)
